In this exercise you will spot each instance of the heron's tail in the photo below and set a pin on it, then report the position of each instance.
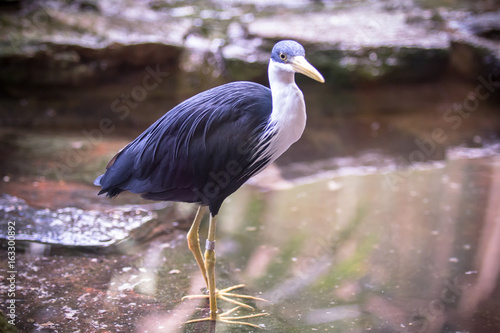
(97, 181)
(110, 192)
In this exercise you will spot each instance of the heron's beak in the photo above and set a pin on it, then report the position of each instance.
(301, 65)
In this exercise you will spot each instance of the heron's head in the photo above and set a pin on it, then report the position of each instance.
(289, 55)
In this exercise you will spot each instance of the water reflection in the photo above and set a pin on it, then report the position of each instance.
(486, 258)
(351, 253)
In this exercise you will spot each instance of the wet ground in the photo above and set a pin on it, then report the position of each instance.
(384, 218)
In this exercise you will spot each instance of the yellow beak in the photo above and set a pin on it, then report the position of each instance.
(301, 65)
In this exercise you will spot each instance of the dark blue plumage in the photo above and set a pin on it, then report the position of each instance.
(201, 151)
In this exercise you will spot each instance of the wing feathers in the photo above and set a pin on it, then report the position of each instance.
(195, 140)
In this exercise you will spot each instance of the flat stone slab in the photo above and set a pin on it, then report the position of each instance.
(72, 226)
(351, 29)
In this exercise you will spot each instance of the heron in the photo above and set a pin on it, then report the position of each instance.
(206, 147)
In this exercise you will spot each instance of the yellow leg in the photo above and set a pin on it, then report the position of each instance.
(193, 240)
(207, 267)
(210, 263)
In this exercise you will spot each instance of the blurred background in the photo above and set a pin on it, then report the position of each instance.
(384, 217)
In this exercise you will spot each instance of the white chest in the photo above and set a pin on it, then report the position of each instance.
(288, 118)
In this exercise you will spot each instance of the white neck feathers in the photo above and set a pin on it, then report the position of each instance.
(289, 111)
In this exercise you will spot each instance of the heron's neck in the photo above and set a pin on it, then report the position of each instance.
(289, 111)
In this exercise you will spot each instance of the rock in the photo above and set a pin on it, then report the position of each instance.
(89, 6)
(102, 53)
(357, 44)
(72, 226)
(363, 44)
(76, 65)
(476, 47)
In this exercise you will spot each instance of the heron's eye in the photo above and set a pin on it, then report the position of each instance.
(283, 56)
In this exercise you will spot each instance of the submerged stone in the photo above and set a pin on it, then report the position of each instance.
(70, 226)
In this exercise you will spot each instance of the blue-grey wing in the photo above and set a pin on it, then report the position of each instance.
(203, 146)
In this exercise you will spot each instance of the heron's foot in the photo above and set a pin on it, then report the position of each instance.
(223, 318)
(227, 295)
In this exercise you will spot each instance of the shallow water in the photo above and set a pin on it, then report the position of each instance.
(356, 252)
(407, 250)
(370, 223)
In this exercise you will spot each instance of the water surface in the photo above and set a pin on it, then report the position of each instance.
(370, 223)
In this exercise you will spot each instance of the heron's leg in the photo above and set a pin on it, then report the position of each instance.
(194, 246)
(193, 240)
(222, 294)
(210, 264)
